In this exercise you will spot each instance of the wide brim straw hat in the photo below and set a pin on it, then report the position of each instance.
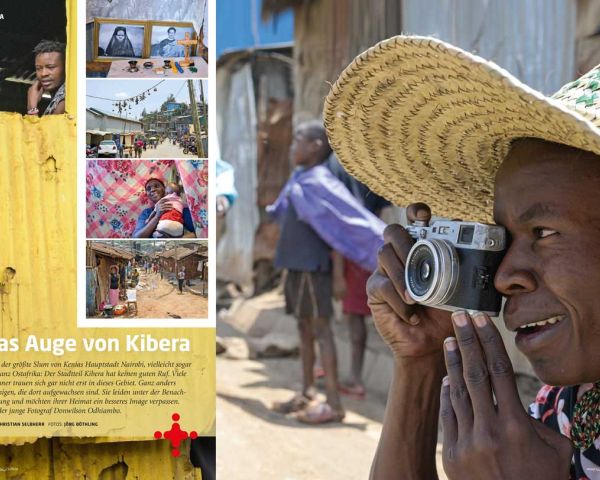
(418, 119)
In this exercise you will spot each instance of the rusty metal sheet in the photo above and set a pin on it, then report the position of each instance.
(273, 144)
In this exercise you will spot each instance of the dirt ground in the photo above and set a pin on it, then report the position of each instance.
(161, 299)
(289, 450)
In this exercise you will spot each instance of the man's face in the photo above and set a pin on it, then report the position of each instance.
(171, 34)
(50, 70)
(547, 197)
(303, 148)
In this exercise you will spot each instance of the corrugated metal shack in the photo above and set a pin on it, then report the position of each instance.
(254, 87)
(99, 258)
(545, 44)
(193, 259)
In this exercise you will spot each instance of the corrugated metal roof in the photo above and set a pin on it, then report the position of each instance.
(111, 250)
(177, 253)
(98, 112)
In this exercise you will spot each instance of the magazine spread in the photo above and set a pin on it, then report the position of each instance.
(107, 351)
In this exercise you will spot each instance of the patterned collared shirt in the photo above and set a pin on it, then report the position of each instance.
(58, 97)
(554, 406)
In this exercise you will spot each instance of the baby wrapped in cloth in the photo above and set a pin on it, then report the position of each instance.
(170, 224)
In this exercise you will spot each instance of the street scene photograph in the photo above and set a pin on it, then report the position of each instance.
(147, 119)
(147, 279)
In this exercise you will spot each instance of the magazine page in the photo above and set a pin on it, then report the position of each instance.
(108, 344)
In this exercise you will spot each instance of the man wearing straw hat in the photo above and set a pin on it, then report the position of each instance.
(415, 117)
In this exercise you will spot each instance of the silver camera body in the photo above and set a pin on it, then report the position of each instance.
(452, 265)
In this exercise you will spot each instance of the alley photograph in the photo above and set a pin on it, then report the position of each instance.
(147, 279)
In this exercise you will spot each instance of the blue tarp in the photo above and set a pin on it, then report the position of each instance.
(240, 26)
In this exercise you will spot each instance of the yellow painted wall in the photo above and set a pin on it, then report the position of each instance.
(38, 197)
(57, 459)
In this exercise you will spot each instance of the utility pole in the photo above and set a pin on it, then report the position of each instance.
(196, 120)
(204, 108)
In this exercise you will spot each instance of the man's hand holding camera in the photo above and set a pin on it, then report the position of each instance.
(483, 438)
(415, 335)
(410, 330)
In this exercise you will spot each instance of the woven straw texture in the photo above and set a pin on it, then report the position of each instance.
(417, 119)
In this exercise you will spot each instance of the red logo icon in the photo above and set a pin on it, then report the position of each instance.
(176, 435)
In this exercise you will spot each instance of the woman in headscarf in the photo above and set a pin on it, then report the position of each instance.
(120, 45)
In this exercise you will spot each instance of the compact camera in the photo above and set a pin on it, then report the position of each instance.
(452, 265)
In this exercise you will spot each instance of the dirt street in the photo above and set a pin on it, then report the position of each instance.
(266, 445)
(158, 298)
(166, 150)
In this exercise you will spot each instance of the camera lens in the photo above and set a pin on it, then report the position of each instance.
(423, 269)
(431, 271)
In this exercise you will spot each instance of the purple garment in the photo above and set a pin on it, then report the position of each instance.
(322, 201)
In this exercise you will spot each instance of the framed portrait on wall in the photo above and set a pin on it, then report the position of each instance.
(164, 37)
(119, 39)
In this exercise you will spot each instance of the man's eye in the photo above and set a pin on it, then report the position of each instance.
(542, 232)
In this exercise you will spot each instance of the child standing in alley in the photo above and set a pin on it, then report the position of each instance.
(317, 214)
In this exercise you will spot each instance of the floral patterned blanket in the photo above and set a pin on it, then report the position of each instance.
(115, 194)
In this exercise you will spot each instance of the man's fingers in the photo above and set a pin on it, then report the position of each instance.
(393, 267)
(380, 289)
(498, 364)
(447, 416)
(459, 395)
(474, 367)
(418, 212)
(398, 238)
